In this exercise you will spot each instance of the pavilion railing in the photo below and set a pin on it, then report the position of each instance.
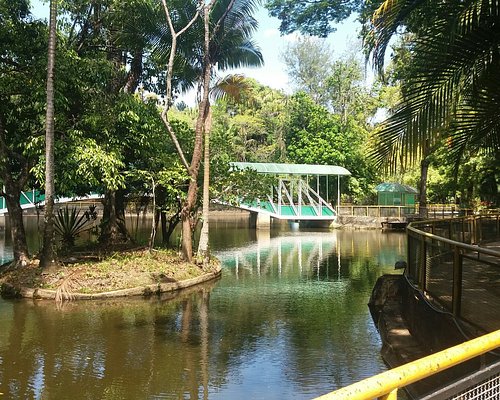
(376, 211)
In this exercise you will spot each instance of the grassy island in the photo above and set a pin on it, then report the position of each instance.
(132, 272)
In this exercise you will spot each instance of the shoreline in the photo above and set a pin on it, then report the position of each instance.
(138, 291)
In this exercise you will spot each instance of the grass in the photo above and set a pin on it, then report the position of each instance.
(94, 274)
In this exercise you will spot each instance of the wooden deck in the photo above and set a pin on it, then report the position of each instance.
(394, 225)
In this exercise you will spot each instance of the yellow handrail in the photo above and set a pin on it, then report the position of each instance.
(386, 384)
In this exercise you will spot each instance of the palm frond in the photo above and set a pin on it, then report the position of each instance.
(451, 92)
(233, 87)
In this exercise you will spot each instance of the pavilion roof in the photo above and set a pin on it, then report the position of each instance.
(291, 169)
(395, 187)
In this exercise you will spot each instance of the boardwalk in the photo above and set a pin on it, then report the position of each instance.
(480, 288)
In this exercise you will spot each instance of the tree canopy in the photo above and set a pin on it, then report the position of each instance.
(312, 17)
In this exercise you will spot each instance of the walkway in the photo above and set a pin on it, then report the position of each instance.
(480, 289)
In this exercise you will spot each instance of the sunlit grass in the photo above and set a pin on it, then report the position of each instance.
(123, 270)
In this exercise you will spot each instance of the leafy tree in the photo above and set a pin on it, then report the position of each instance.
(452, 94)
(114, 40)
(309, 64)
(22, 65)
(252, 129)
(315, 136)
(348, 95)
(312, 17)
(227, 28)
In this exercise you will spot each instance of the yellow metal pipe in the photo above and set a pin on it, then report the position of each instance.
(386, 382)
(393, 395)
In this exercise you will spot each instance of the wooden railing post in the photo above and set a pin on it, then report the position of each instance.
(423, 264)
(457, 282)
(473, 236)
(498, 226)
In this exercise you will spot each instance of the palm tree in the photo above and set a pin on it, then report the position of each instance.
(230, 48)
(227, 28)
(232, 87)
(453, 95)
(48, 254)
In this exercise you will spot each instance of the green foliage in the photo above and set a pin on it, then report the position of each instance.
(315, 136)
(452, 90)
(312, 18)
(251, 130)
(309, 64)
(235, 186)
(348, 95)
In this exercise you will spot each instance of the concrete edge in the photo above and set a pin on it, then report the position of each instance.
(146, 291)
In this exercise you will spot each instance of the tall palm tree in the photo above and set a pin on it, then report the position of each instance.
(222, 39)
(453, 95)
(48, 253)
(233, 87)
(231, 47)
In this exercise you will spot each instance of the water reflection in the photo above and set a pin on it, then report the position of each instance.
(288, 319)
(112, 350)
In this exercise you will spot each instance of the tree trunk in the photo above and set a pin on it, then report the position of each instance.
(164, 232)
(203, 246)
(186, 215)
(114, 230)
(424, 168)
(135, 72)
(48, 252)
(152, 236)
(18, 234)
(109, 231)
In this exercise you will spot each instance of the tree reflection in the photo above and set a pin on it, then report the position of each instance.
(294, 311)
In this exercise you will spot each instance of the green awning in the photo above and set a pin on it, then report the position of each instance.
(291, 169)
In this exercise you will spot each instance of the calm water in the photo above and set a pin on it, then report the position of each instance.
(288, 319)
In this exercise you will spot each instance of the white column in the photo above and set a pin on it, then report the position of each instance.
(338, 194)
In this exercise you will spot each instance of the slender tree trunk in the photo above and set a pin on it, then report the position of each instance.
(48, 253)
(424, 168)
(152, 236)
(186, 215)
(18, 234)
(203, 246)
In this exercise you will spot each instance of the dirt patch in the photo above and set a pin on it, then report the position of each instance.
(93, 273)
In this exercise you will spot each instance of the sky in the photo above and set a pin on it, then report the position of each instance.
(271, 43)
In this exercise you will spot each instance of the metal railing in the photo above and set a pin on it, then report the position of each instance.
(385, 385)
(446, 261)
(449, 262)
(376, 211)
(379, 211)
